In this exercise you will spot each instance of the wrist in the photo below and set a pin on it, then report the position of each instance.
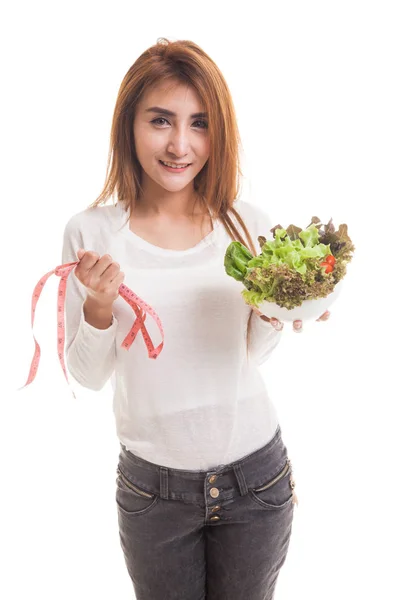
(99, 316)
(93, 304)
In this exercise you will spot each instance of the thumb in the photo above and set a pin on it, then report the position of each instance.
(80, 253)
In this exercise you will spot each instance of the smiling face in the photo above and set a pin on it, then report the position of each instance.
(179, 138)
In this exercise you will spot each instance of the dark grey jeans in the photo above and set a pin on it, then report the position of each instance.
(221, 534)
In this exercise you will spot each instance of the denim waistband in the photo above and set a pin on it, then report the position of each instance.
(178, 484)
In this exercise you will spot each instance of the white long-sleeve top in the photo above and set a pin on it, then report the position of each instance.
(201, 403)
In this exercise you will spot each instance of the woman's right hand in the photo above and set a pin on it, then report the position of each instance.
(101, 276)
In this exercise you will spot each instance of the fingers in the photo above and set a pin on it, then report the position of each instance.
(276, 324)
(116, 282)
(86, 260)
(101, 276)
(91, 262)
(325, 316)
(298, 325)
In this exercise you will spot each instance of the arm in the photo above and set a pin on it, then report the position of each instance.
(97, 316)
(90, 336)
(262, 336)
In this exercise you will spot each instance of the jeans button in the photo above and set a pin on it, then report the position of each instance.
(215, 518)
(214, 492)
(212, 478)
(215, 508)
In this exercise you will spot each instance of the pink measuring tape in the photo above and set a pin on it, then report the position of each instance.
(134, 301)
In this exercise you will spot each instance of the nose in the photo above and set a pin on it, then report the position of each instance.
(178, 144)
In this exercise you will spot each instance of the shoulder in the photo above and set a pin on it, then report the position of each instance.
(257, 218)
(95, 219)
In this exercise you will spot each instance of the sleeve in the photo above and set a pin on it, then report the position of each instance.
(262, 336)
(90, 352)
(263, 339)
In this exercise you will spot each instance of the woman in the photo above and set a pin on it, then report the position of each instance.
(204, 492)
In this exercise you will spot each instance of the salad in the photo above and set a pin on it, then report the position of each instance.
(297, 265)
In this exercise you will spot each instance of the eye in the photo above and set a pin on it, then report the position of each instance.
(158, 119)
(204, 123)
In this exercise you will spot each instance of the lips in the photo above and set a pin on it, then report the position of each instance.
(178, 167)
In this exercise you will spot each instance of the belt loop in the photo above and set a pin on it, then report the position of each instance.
(240, 479)
(164, 483)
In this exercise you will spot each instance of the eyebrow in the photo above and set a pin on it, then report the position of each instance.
(164, 111)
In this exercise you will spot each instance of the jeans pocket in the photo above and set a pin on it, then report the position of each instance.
(278, 492)
(131, 498)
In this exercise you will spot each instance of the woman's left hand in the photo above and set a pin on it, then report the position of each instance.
(297, 324)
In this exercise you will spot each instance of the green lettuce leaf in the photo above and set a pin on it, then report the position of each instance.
(288, 269)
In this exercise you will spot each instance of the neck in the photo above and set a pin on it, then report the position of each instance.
(170, 207)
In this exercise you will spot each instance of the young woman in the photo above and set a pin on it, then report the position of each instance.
(205, 490)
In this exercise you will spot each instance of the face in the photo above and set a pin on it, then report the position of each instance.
(180, 138)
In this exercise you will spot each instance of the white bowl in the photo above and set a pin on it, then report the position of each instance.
(309, 309)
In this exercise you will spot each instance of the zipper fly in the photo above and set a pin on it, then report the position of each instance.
(132, 486)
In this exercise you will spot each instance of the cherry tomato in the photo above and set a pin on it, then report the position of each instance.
(330, 259)
(328, 267)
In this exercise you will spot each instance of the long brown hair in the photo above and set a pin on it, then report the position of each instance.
(218, 182)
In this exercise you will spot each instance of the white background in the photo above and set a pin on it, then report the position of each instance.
(316, 89)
